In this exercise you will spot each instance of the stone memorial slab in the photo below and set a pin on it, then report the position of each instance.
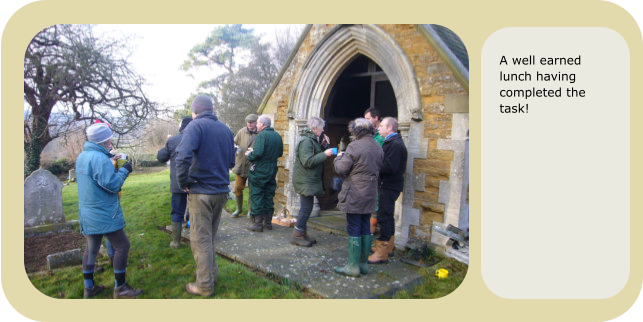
(43, 204)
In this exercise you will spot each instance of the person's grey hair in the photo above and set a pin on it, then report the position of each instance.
(105, 144)
(391, 121)
(315, 123)
(264, 120)
(360, 127)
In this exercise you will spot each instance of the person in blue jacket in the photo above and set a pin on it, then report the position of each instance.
(99, 209)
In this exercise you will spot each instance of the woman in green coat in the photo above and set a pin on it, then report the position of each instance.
(307, 175)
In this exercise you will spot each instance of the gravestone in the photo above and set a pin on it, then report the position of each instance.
(72, 175)
(43, 199)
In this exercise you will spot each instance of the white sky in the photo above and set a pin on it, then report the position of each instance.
(159, 51)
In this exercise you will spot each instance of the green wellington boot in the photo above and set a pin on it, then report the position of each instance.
(237, 213)
(176, 233)
(366, 247)
(354, 254)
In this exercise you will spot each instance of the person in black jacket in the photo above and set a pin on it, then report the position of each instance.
(391, 184)
(203, 162)
(179, 197)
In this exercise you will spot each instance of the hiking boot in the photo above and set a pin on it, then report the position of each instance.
(267, 221)
(193, 289)
(237, 213)
(91, 292)
(257, 224)
(354, 254)
(298, 238)
(176, 233)
(380, 256)
(125, 291)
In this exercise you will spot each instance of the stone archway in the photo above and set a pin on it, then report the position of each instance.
(320, 71)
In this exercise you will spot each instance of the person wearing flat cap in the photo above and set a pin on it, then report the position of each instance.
(99, 209)
(204, 158)
(244, 140)
(179, 197)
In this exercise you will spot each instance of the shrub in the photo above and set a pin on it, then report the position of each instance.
(58, 166)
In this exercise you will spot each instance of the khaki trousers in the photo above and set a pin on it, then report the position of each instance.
(205, 214)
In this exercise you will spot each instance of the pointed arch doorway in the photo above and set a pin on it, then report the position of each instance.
(332, 78)
(362, 85)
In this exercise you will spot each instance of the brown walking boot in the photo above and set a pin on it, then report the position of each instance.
(298, 239)
(89, 293)
(125, 291)
(257, 224)
(381, 255)
(195, 290)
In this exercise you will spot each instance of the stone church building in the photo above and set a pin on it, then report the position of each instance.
(416, 73)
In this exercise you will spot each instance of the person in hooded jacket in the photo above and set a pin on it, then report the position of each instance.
(179, 197)
(360, 165)
(307, 175)
(99, 209)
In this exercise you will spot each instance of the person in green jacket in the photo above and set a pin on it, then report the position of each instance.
(263, 155)
(307, 175)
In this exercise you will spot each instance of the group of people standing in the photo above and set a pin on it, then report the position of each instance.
(201, 156)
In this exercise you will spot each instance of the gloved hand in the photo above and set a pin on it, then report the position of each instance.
(128, 166)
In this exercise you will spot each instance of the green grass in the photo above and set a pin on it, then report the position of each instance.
(433, 287)
(160, 271)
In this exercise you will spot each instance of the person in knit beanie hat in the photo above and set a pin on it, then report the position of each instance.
(100, 212)
(201, 103)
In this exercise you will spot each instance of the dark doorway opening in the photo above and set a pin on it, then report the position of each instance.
(362, 84)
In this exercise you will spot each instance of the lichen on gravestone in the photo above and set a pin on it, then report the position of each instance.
(43, 203)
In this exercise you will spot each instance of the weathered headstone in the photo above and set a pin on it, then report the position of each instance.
(64, 259)
(72, 175)
(43, 199)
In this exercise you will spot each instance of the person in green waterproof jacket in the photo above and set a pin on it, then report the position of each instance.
(267, 148)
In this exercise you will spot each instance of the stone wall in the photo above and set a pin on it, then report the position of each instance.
(432, 181)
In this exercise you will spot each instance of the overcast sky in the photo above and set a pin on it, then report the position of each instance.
(159, 51)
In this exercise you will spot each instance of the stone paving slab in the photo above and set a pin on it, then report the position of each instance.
(310, 267)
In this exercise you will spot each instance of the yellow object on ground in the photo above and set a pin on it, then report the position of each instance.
(442, 273)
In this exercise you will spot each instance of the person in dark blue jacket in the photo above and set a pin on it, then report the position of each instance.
(179, 197)
(99, 209)
(390, 186)
(204, 158)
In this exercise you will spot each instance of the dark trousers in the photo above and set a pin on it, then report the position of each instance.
(306, 207)
(179, 203)
(262, 194)
(385, 213)
(358, 224)
(121, 245)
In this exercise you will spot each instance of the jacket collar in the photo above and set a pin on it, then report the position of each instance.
(207, 114)
(91, 146)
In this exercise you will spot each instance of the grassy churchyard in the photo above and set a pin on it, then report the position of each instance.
(162, 272)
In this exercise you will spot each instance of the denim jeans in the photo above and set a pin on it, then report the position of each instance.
(179, 202)
(306, 207)
(358, 224)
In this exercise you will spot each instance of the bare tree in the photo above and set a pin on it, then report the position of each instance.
(70, 76)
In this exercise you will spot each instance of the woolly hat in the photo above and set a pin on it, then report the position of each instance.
(184, 123)
(99, 133)
(251, 118)
(201, 103)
